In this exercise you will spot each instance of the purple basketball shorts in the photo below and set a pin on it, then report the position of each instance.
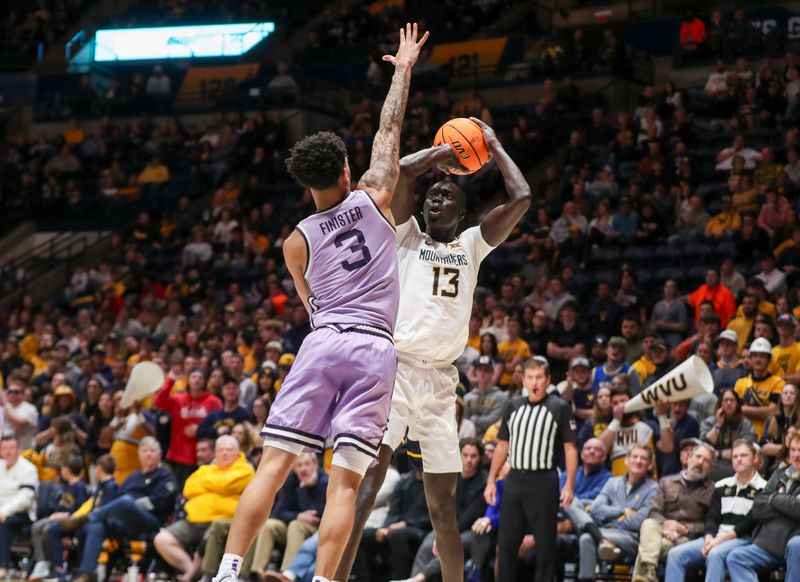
(340, 386)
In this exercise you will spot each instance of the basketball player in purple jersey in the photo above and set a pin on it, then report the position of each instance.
(343, 260)
(438, 273)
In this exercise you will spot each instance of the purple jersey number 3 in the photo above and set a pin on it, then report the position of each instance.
(358, 246)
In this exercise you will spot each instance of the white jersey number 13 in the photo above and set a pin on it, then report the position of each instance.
(449, 288)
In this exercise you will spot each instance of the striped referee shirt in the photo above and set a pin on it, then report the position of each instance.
(731, 506)
(536, 432)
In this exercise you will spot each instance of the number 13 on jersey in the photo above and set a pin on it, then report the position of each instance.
(447, 287)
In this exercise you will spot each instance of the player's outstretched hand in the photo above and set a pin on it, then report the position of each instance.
(409, 48)
(488, 133)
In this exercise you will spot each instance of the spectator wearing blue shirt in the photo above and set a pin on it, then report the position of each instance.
(73, 493)
(105, 491)
(590, 479)
(626, 220)
(617, 513)
(221, 421)
(147, 498)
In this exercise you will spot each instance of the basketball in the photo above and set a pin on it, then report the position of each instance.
(466, 139)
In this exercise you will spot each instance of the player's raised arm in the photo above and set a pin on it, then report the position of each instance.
(412, 167)
(501, 220)
(381, 177)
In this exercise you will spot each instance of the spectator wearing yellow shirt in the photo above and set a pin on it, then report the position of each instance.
(745, 319)
(725, 223)
(758, 288)
(786, 355)
(768, 170)
(760, 391)
(644, 366)
(514, 350)
(155, 172)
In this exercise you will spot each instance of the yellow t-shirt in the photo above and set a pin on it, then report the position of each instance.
(764, 306)
(785, 361)
(474, 341)
(644, 366)
(742, 326)
(510, 350)
(759, 393)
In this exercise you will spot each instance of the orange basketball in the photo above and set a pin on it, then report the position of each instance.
(466, 139)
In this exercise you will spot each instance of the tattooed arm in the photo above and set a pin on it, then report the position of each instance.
(380, 179)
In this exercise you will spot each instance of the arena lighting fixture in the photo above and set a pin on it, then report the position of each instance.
(179, 42)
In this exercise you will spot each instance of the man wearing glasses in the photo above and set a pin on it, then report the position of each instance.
(21, 417)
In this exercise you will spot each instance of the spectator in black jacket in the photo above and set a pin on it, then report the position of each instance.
(221, 421)
(404, 528)
(147, 498)
(296, 514)
(470, 505)
(777, 535)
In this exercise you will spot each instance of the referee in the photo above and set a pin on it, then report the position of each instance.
(531, 433)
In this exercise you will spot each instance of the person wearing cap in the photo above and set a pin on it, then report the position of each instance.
(64, 406)
(729, 366)
(670, 317)
(677, 515)
(285, 363)
(614, 366)
(719, 295)
(725, 223)
(728, 523)
(760, 391)
(483, 405)
(273, 351)
(577, 388)
(514, 350)
(786, 355)
(597, 350)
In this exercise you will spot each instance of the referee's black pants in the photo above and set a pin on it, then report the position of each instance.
(529, 505)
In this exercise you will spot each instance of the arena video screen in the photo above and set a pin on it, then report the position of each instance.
(179, 42)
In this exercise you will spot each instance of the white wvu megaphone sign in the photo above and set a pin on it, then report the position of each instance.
(690, 379)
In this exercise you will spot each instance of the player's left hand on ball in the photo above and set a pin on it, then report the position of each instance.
(488, 132)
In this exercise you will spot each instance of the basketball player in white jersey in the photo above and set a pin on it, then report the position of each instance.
(438, 273)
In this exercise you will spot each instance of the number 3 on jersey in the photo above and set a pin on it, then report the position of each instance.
(358, 246)
(448, 288)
